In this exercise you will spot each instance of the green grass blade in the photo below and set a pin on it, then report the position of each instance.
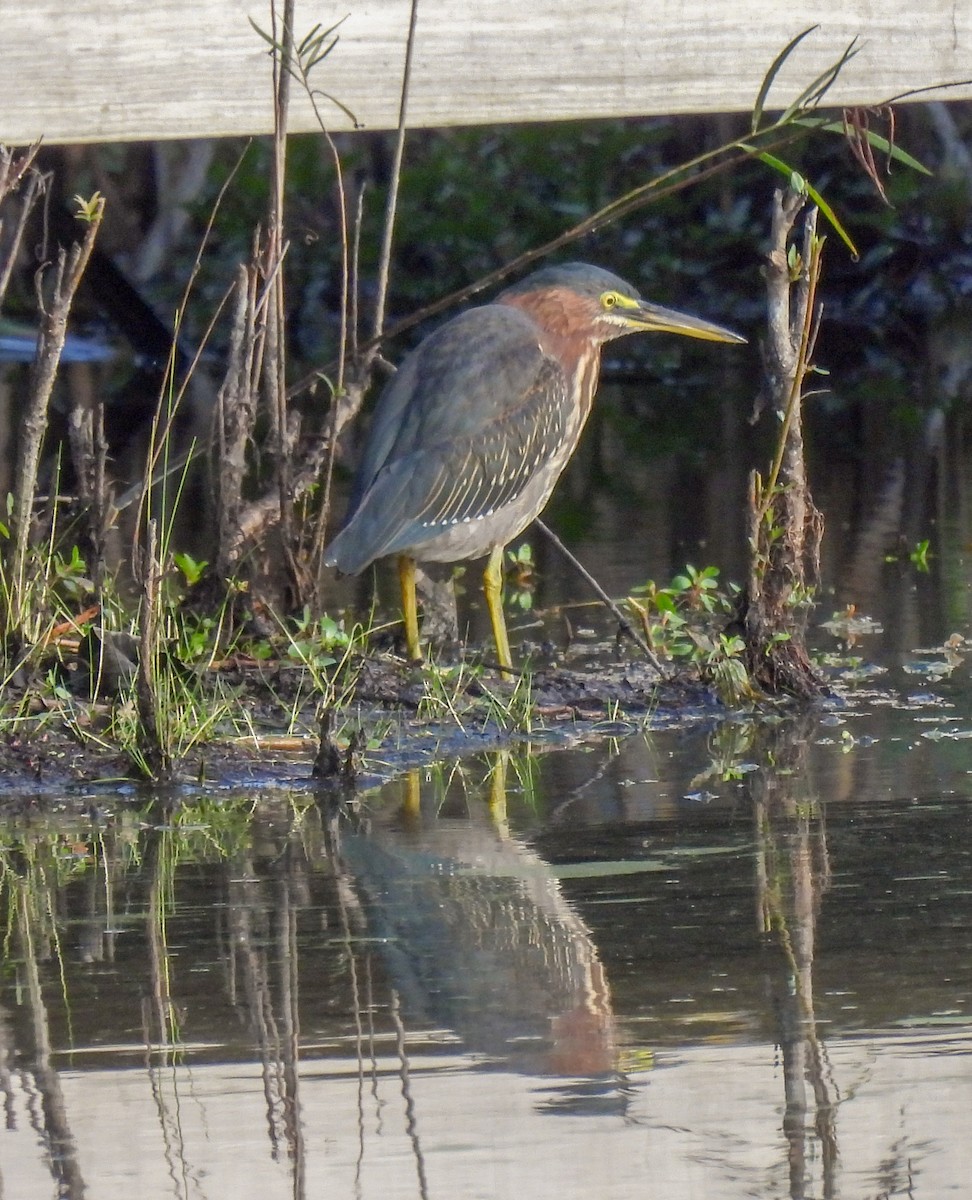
(271, 41)
(835, 223)
(811, 96)
(877, 140)
(792, 176)
(772, 73)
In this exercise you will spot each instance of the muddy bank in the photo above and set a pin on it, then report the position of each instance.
(395, 718)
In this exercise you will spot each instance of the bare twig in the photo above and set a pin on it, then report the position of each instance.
(602, 595)
(391, 204)
(89, 453)
(13, 170)
(235, 416)
(857, 125)
(14, 166)
(274, 360)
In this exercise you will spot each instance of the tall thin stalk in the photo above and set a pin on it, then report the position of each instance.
(274, 362)
(153, 746)
(391, 204)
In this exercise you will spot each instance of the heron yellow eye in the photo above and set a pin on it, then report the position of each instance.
(609, 299)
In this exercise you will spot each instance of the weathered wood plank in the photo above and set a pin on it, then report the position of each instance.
(101, 70)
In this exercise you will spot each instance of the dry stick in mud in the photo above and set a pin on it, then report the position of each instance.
(784, 527)
(89, 456)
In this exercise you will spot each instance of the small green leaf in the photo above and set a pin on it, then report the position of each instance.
(90, 211)
(190, 568)
(809, 190)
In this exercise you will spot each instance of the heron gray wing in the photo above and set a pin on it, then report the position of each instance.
(452, 387)
(420, 493)
(475, 477)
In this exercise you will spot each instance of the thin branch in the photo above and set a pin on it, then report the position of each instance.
(274, 359)
(698, 170)
(12, 172)
(384, 258)
(602, 595)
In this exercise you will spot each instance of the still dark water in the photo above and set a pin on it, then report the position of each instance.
(696, 961)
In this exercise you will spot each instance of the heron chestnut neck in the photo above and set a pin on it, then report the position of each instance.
(569, 320)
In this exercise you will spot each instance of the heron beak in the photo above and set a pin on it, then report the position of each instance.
(653, 318)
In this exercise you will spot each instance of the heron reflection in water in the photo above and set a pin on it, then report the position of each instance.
(478, 937)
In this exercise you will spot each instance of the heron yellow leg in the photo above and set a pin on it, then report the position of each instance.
(497, 793)
(493, 589)
(406, 580)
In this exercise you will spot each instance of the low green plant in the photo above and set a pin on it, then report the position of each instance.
(686, 621)
(698, 589)
(308, 663)
(316, 641)
(666, 612)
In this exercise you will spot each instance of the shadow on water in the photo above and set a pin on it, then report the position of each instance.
(719, 981)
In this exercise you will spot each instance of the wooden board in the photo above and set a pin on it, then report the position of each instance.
(104, 70)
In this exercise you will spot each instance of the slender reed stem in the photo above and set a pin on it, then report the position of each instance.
(384, 258)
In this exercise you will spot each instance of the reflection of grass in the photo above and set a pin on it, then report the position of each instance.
(34, 870)
(48, 866)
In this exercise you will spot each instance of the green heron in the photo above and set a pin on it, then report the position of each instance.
(472, 433)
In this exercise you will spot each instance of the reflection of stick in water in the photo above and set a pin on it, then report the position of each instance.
(479, 938)
(793, 872)
(62, 1157)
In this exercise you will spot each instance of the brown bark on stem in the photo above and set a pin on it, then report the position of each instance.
(784, 527)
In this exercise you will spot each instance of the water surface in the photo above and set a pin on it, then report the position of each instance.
(719, 959)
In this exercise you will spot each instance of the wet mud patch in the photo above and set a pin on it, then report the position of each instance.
(391, 719)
